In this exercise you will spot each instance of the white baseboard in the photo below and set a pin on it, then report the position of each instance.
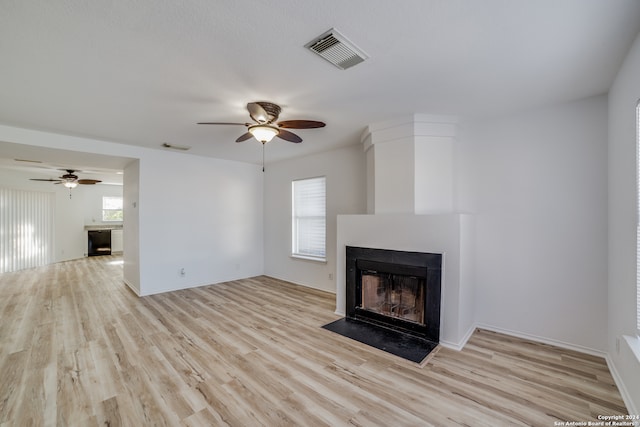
(544, 340)
(459, 345)
(132, 288)
(306, 285)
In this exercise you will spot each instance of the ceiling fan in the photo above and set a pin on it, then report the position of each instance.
(69, 180)
(265, 128)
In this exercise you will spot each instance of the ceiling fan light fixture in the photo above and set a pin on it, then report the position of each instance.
(70, 184)
(263, 133)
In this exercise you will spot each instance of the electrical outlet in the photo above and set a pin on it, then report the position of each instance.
(182, 272)
(330, 276)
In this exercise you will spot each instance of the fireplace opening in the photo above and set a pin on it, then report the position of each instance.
(392, 301)
(395, 289)
(393, 295)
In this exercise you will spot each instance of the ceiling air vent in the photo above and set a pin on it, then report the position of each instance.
(337, 49)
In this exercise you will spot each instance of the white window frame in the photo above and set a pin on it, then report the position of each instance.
(104, 210)
(315, 252)
(638, 219)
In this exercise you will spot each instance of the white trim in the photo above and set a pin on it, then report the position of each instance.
(309, 258)
(617, 379)
(460, 345)
(550, 341)
(306, 285)
(634, 345)
(133, 289)
(637, 167)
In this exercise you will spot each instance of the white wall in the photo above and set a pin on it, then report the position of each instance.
(394, 176)
(623, 96)
(200, 214)
(346, 194)
(434, 169)
(196, 213)
(537, 182)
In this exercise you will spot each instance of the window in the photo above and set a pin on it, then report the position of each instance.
(112, 208)
(309, 218)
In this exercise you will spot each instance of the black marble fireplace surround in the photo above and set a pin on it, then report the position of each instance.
(425, 266)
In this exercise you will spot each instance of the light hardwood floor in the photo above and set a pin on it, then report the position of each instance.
(78, 348)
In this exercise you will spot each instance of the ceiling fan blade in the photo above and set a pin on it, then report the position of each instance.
(223, 123)
(88, 181)
(244, 137)
(47, 180)
(288, 136)
(301, 124)
(257, 113)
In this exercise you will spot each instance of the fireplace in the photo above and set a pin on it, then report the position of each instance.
(399, 296)
(395, 289)
(416, 152)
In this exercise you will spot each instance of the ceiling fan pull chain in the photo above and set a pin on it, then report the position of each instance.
(263, 144)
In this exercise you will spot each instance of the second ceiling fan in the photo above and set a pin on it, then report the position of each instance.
(69, 179)
(266, 127)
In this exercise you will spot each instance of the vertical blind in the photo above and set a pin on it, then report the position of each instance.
(309, 218)
(26, 229)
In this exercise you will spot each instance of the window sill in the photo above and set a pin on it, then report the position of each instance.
(309, 258)
(634, 345)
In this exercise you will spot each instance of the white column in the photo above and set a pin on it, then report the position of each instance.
(410, 165)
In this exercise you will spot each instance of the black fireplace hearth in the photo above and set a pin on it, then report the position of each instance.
(392, 298)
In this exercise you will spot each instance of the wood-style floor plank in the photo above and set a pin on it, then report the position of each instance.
(78, 348)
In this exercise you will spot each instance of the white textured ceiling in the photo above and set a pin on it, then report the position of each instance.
(143, 72)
